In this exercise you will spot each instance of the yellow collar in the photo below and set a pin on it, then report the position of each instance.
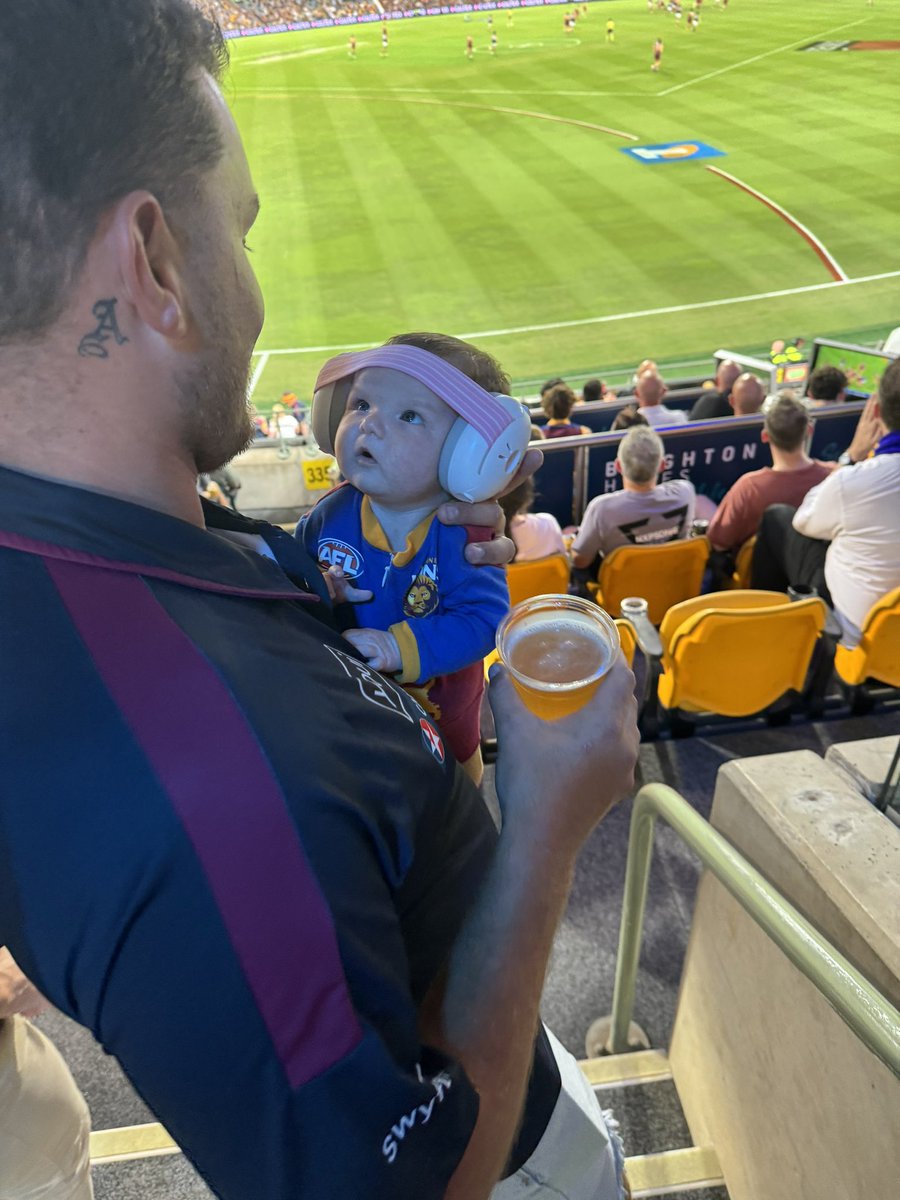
(375, 535)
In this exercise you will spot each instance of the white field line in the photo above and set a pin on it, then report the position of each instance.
(271, 93)
(605, 320)
(810, 37)
(819, 246)
(257, 371)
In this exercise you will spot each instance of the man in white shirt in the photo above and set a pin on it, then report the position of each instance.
(649, 391)
(844, 539)
(644, 513)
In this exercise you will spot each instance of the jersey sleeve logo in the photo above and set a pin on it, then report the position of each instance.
(335, 553)
(432, 739)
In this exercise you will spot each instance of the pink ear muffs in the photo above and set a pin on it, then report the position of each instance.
(485, 444)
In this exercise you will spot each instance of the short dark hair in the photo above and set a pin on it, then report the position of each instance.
(551, 383)
(592, 390)
(627, 417)
(558, 402)
(519, 500)
(889, 397)
(826, 383)
(786, 421)
(97, 99)
(480, 366)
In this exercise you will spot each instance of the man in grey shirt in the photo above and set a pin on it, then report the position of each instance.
(644, 513)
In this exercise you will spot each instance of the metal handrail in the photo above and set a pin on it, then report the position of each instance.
(872, 1018)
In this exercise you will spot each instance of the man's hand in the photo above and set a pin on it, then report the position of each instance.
(18, 995)
(378, 647)
(559, 778)
(869, 431)
(341, 590)
(498, 550)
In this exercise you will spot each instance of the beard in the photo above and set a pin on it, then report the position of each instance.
(213, 392)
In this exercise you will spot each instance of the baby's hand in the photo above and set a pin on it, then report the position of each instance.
(341, 590)
(378, 647)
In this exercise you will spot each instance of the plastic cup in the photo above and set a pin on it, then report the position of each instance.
(557, 650)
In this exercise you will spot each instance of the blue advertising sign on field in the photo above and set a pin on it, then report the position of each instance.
(672, 152)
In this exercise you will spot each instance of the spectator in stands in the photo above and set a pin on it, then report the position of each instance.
(844, 539)
(787, 481)
(535, 534)
(549, 385)
(649, 393)
(715, 403)
(558, 403)
(594, 390)
(826, 385)
(645, 512)
(747, 395)
(629, 416)
(292, 934)
(283, 424)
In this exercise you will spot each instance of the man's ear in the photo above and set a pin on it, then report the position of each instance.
(731, 401)
(764, 435)
(151, 265)
(618, 466)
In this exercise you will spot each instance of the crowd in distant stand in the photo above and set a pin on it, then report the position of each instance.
(251, 14)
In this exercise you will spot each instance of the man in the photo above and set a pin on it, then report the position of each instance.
(649, 392)
(714, 404)
(791, 475)
(644, 513)
(747, 395)
(826, 385)
(295, 939)
(844, 539)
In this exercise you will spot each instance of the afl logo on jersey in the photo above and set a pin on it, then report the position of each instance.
(334, 553)
(432, 739)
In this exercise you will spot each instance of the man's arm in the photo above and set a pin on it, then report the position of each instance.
(732, 522)
(547, 782)
(820, 515)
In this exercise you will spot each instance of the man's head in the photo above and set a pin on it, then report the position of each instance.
(640, 455)
(650, 388)
(786, 422)
(550, 383)
(889, 397)
(558, 402)
(125, 197)
(827, 384)
(726, 373)
(592, 390)
(747, 395)
(627, 417)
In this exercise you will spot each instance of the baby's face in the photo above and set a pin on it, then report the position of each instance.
(390, 438)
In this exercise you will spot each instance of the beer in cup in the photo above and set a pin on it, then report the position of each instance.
(557, 650)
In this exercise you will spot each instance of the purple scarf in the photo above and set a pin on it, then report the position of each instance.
(890, 443)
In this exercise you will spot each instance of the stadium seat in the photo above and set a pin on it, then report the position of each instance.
(878, 654)
(735, 653)
(538, 577)
(628, 640)
(743, 563)
(663, 575)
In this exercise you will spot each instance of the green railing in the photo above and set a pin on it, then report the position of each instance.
(871, 1017)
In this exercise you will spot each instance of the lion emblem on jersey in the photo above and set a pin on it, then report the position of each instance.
(421, 597)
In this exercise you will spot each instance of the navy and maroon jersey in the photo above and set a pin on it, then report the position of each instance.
(231, 850)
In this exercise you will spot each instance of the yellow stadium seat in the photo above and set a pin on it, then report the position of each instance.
(538, 577)
(628, 640)
(878, 654)
(663, 575)
(735, 653)
(743, 563)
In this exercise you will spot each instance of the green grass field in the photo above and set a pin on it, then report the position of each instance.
(484, 198)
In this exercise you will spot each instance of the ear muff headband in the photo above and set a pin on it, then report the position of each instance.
(484, 447)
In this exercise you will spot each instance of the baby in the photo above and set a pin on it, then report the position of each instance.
(413, 423)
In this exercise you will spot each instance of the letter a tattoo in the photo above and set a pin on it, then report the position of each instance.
(92, 344)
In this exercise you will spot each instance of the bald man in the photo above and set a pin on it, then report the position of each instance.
(649, 392)
(747, 395)
(715, 403)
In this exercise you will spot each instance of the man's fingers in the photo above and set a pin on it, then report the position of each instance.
(498, 553)
(531, 461)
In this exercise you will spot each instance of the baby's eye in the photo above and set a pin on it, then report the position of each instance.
(411, 416)
(358, 405)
